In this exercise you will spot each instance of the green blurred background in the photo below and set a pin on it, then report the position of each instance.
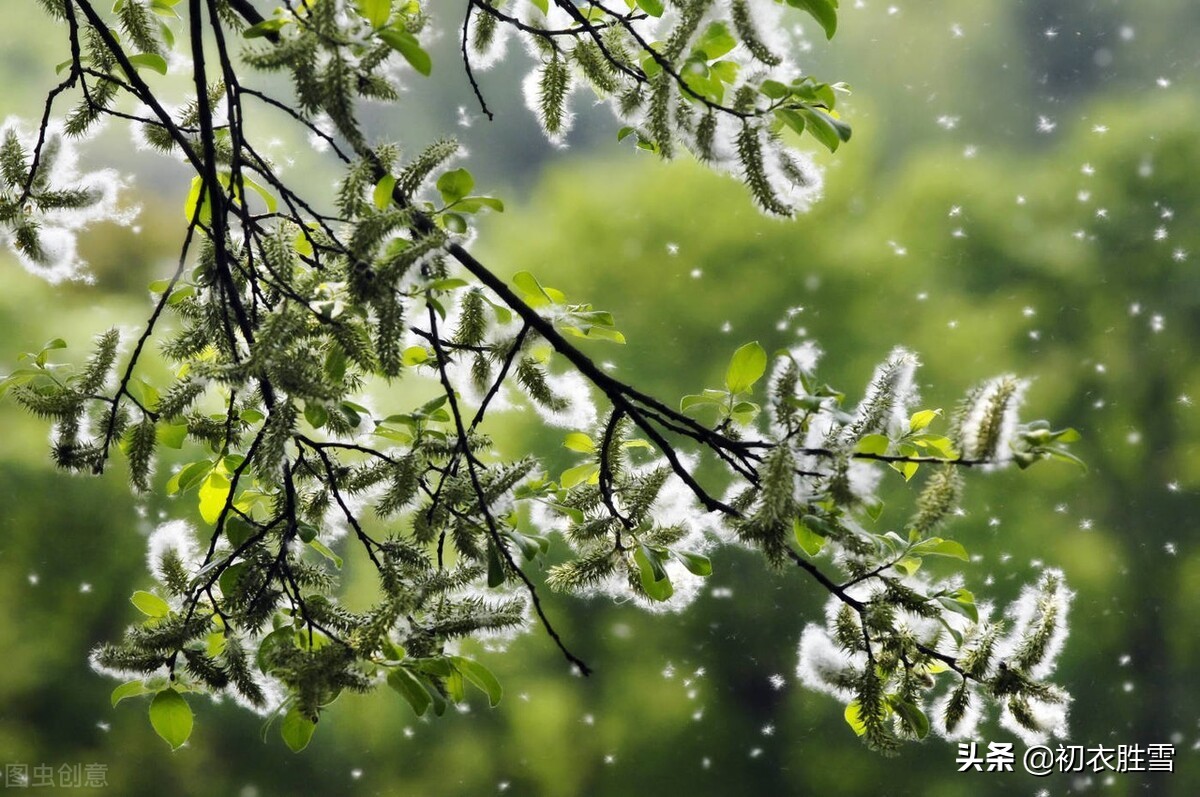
(1021, 195)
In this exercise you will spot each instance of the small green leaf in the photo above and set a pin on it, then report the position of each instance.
(746, 367)
(809, 541)
(189, 476)
(214, 491)
(325, 551)
(382, 195)
(652, 7)
(316, 415)
(920, 420)
(264, 28)
(193, 200)
(410, 688)
(266, 196)
(171, 718)
(873, 444)
(936, 546)
(454, 185)
(172, 435)
(827, 129)
(1068, 435)
(579, 474)
(481, 677)
(578, 441)
(701, 399)
(653, 577)
(696, 564)
(377, 12)
(853, 715)
(716, 41)
(913, 718)
(155, 63)
(150, 604)
(131, 689)
(967, 609)
(414, 355)
(307, 532)
(296, 730)
(496, 575)
(403, 42)
(824, 11)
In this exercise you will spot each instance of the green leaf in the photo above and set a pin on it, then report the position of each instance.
(414, 355)
(472, 204)
(496, 575)
(747, 367)
(193, 200)
(966, 609)
(316, 415)
(454, 185)
(264, 28)
(774, 89)
(697, 564)
(171, 718)
(189, 476)
(407, 45)
(214, 491)
(150, 604)
(716, 41)
(325, 551)
(829, 131)
(853, 716)
(1063, 455)
(792, 119)
(936, 546)
(1068, 435)
(809, 541)
(536, 294)
(906, 469)
(377, 12)
(410, 688)
(920, 420)
(578, 441)
(307, 532)
(653, 576)
(824, 11)
(744, 412)
(238, 531)
(155, 63)
(579, 474)
(296, 730)
(266, 196)
(913, 717)
(481, 677)
(172, 435)
(131, 689)
(873, 444)
(717, 397)
(652, 7)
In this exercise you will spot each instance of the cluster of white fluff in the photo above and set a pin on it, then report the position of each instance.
(58, 230)
(823, 665)
(792, 175)
(980, 415)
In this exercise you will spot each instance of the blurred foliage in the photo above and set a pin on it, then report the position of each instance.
(997, 261)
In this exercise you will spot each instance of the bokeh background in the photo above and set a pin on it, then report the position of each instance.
(1021, 194)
